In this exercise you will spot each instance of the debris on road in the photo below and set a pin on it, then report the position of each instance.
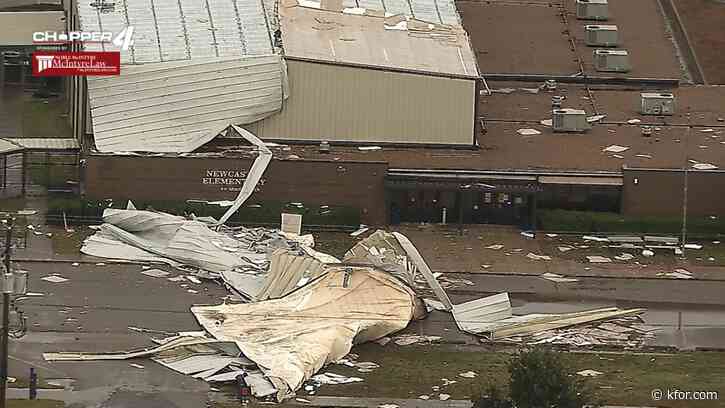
(594, 238)
(680, 274)
(494, 247)
(444, 397)
(468, 374)
(424, 397)
(54, 279)
(536, 257)
(565, 248)
(693, 246)
(75, 264)
(624, 257)
(589, 373)
(155, 273)
(598, 259)
(528, 132)
(648, 252)
(134, 365)
(558, 278)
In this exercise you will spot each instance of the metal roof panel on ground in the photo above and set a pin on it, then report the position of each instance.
(341, 38)
(173, 30)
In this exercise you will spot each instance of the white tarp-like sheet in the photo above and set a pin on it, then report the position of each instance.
(291, 338)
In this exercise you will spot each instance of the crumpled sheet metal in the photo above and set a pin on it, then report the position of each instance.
(382, 250)
(291, 338)
(287, 271)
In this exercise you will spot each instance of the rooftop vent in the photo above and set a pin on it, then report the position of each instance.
(611, 61)
(655, 103)
(569, 120)
(592, 10)
(602, 35)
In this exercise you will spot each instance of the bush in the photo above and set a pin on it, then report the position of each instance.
(590, 221)
(493, 399)
(539, 379)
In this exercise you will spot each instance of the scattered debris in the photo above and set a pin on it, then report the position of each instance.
(424, 397)
(598, 259)
(643, 156)
(546, 122)
(75, 264)
(680, 274)
(648, 252)
(708, 130)
(594, 238)
(359, 231)
(54, 279)
(334, 379)
(408, 339)
(100, 264)
(383, 340)
(552, 235)
(444, 397)
(155, 273)
(595, 118)
(528, 132)
(704, 166)
(134, 365)
(527, 234)
(634, 121)
(193, 279)
(306, 401)
(388, 406)
(535, 257)
(558, 278)
(693, 246)
(624, 257)
(176, 278)
(564, 248)
(494, 247)
(369, 148)
(11, 380)
(468, 374)
(589, 373)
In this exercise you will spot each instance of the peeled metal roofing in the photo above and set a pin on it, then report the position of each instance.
(179, 106)
(47, 143)
(173, 30)
(7, 146)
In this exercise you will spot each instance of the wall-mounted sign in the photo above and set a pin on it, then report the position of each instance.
(227, 180)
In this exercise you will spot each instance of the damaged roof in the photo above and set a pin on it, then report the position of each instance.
(427, 46)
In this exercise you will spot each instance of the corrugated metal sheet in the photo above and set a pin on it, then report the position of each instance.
(173, 30)
(472, 316)
(18, 28)
(47, 143)
(178, 106)
(339, 103)
(6, 146)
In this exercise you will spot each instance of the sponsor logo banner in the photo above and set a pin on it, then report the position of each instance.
(47, 64)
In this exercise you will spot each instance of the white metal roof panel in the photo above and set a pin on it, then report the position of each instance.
(178, 106)
(174, 30)
(6, 146)
(47, 143)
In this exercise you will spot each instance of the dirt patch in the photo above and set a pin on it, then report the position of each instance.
(703, 21)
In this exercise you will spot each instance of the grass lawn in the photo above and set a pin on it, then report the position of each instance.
(407, 372)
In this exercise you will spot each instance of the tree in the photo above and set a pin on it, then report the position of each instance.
(539, 379)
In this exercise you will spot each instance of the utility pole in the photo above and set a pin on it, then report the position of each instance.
(684, 188)
(6, 311)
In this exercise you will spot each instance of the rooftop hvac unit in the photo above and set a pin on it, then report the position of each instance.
(592, 9)
(611, 61)
(569, 120)
(655, 103)
(602, 35)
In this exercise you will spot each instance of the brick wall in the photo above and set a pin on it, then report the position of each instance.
(355, 184)
(660, 192)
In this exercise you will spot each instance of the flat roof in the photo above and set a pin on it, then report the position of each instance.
(344, 38)
(532, 38)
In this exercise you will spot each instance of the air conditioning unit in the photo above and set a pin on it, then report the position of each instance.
(611, 61)
(592, 10)
(569, 120)
(602, 35)
(656, 103)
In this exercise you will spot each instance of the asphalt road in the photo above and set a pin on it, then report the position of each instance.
(94, 308)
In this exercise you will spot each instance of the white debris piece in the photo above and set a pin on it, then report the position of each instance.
(528, 132)
(648, 252)
(536, 257)
(546, 122)
(193, 279)
(589, 373)
(408, 339)
(369, 148)
(134, 365)
(359, 231)
(708, 130)
(595, 118)
(468, 374)
(624, 257)
(616, 149)
(693, 246)
(306, 401)
(598, 259)
(176, 278)
(552, 235)
(704, 166)
(75, 264)
(444, 397)
(680, 274)
(334, 379)
(388, 406)
(54, 279)
(495, 246)
(527, 234)
(424, 397)
(594, 238)
(634, 121)
(565, 248)
(155, 273)
(643, 156)
(554, 277)
(308, 3)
